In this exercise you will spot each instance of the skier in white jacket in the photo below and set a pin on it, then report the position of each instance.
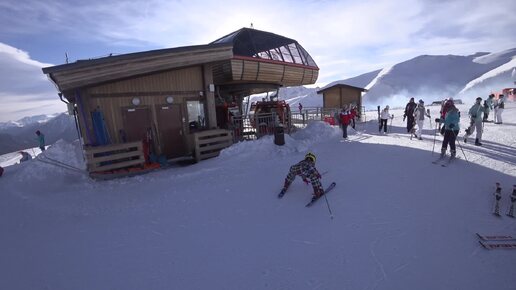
(419, 116)
(384, 116)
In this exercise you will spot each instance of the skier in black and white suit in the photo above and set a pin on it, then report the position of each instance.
(306, 169)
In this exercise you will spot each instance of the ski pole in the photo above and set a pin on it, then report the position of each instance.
(460, 146)
(429, 117)
(329, 209)
(435, 135)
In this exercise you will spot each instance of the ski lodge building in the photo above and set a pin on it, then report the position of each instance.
(337, 95)
(148, 107)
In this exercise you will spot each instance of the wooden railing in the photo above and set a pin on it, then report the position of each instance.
(209, 143)
(116, 156)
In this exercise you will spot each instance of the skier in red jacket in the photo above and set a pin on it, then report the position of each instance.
(345, 118)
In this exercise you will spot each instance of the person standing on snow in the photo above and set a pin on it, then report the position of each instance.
(384, 116)
(419, 116)
(300, 108)
(306, 169)
(451, 129)
(354, 115)
(475, 114)
(409, 114)
(499, 107)
(345, 118)
(488, 106)
(41, 140)
(446, 104)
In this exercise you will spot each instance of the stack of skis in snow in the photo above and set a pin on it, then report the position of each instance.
(498, 197)
(492, 242)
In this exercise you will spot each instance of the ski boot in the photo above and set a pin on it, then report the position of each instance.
(477, 142)
(317, 194)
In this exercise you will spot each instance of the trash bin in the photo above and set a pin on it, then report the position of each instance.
(279, 135)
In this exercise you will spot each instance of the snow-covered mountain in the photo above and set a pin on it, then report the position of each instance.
(17, 135)
(434, 77)
(427, 77)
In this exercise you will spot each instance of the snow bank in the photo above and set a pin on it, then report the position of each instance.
(299, 142)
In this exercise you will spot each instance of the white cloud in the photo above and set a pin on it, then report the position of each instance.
(346, 38)
(24, 86)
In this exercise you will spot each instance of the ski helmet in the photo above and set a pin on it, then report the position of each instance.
(311, 156)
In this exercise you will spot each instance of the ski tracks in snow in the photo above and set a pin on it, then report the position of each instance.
(380, 265)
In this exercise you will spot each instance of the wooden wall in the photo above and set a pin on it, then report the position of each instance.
(331, 98)
(337, 97)
(152, 90)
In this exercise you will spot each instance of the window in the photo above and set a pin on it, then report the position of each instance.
(196, 117)
(295, 53)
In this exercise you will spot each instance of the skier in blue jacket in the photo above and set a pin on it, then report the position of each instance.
(451, 130)
(41, 140)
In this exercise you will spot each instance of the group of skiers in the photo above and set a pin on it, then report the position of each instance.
(414, 114)
(450, 117)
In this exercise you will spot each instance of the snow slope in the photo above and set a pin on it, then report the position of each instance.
(400, 222)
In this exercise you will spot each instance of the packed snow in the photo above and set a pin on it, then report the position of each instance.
(400, 222)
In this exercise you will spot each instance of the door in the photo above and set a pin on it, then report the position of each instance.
(171, 133)
(137, 121)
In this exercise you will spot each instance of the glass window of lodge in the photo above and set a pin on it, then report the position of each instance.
(196, 116)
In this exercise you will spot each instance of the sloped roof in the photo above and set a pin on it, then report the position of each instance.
(244, 42)
(337, 84)
(259, 44)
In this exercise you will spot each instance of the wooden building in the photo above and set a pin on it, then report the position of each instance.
(337, 95)
(163, 102)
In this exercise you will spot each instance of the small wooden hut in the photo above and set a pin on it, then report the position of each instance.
(161, 104)
(337, 95)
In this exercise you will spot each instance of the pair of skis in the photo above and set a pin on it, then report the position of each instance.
(492, 242)
(314, 199)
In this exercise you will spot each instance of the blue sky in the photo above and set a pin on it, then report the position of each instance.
(345, 38)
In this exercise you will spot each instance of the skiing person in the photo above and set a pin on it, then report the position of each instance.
(409, 114)
(475, 114)
(25, 156)
(41, 140)
(419, 116)
(445, 106)
(306, 169)
(451, 129)
(300, 108)
(384, 116)
(345, 118)
(499, 107)
(488, 106)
